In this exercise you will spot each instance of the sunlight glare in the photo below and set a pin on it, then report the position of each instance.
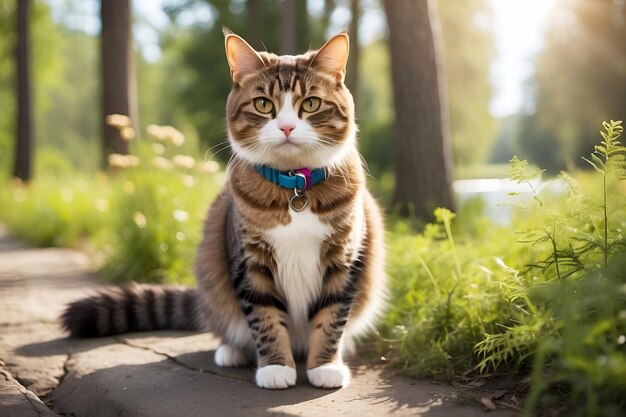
(518, 28)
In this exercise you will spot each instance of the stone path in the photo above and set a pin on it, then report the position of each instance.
(42, 373)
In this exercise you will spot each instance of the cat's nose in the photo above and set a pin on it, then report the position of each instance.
(287, 129)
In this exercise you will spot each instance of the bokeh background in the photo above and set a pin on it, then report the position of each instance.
(532, 77)
(524, 278)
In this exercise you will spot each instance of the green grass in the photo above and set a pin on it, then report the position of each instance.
(145, 220)
(545, 297)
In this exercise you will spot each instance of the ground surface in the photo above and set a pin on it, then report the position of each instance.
(42, 373)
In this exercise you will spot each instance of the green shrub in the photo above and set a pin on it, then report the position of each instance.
(550, 298)
(54, 210)
(144, 216)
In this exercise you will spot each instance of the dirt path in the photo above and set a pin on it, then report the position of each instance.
(161, 373)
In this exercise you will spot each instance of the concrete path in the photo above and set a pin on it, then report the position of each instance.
(160, 373)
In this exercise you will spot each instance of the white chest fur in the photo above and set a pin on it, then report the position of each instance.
(299, 274)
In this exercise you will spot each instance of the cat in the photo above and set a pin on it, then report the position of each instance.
(291, 263)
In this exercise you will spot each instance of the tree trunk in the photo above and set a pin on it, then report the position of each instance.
(422, 151)
(23, 147)
(118, 71)
(254, 24)
(303, 39)
(288, 28)
(352, 73)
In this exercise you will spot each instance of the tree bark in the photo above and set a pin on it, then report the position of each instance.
(422, 151)
(288, 28)
(23, 147)
(119, 94)
(352, 73)
(254, 24)
(303, 39)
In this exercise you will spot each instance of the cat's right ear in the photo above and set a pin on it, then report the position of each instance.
(242, 58)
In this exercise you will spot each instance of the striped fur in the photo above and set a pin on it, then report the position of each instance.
(132, 308)
(275, 284)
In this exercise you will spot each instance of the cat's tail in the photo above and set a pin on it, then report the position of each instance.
(132, 308)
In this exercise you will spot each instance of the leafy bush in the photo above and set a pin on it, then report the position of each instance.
(144, 215)
(551, 298)
(54, 210)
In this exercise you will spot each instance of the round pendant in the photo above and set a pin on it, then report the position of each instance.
(298, 202)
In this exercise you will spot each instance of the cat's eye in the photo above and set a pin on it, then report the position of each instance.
(263, 105)
(311, 104)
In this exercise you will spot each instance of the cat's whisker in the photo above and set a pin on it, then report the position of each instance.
(217, 152)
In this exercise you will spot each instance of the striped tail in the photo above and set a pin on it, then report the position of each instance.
(132, 308)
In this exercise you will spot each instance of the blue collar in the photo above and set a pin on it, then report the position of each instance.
(300, 179)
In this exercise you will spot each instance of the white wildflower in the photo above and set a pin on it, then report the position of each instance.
(175, 137)
(162, 163)
(189, 181)
(117, 121)
(184, 161)
(210, 167)
(157, 132)
(128, 133)
(102, 204)
(180, 215)
(117, 160)
(157, 148)
(140, 219)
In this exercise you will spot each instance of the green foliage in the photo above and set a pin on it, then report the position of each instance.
(53, 210)
(468, 50)
(447, 293)
(144, 216)
(550, 299)
(7, 83)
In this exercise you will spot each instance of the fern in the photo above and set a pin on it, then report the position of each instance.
(608, 160)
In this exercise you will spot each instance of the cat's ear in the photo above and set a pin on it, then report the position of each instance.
(242, 58)
(333, 56)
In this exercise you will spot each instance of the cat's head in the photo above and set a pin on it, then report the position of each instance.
(288, 111)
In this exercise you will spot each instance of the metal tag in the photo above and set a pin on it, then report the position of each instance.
(299, 201)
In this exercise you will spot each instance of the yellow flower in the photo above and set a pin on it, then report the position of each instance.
(184, 161)
(117, 121)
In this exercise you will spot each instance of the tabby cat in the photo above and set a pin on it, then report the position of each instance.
(292, 257)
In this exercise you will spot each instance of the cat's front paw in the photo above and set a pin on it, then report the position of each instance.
(276, 377)
(332, 375)
(228, 355)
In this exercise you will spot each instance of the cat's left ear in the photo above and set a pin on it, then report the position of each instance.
(242, 58)
(333, 56)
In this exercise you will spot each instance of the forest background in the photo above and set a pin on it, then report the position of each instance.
(537, 292)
